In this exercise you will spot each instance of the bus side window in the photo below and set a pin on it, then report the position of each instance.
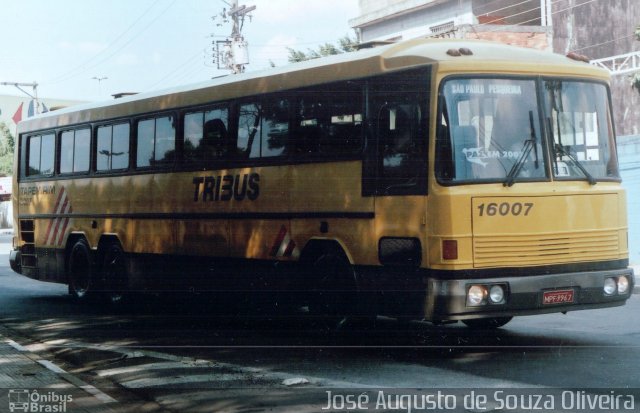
(75, 147)
(41, 154)
(156, 142)
(249, 120)
(308, 121)
(329, 121)
(275, 128)
(33, 145)
(112, 147)
(206, 135)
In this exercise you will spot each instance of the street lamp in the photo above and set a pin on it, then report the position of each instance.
(100, 79)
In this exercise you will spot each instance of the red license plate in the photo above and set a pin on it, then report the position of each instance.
(557, 297)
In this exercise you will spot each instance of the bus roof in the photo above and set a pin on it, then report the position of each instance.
(486, 57)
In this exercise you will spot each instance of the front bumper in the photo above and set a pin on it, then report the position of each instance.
(15, 261)
(447, 299)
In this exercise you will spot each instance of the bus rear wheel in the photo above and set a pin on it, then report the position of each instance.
(334, 292)
(80, 270)
(487, 323)
(114, 272)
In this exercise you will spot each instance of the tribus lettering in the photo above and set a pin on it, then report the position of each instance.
(227, 187)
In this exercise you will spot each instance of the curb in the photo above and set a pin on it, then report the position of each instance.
(42, 373)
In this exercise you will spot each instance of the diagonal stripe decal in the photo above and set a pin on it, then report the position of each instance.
(278, 241)
(56, 210)
(283, 245)
(58, 226)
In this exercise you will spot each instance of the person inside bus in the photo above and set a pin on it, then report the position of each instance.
(213, 140)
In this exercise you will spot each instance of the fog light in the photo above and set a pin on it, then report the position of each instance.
(623, 285)
(477, 295)
(496, 294)
(610, 286)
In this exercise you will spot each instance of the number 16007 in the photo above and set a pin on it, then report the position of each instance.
(505, 208)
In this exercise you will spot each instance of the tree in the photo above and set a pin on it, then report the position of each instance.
(6, 150)
(345, 44)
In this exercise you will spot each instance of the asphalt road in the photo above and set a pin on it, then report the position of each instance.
(184, 356)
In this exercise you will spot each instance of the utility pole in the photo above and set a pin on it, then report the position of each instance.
(232, 53)
(33, 96)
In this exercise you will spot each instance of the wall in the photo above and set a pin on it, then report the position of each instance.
(534, 37)
(508, 12)
(589, 28)
(406, 19)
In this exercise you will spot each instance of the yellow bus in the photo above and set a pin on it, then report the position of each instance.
(432, 179)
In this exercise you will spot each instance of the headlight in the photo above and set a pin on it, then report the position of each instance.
(476, 295)
(610, 286)
(623, 285)
(496, 294)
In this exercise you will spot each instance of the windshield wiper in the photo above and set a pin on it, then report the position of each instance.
(517, 167)
(560, 150)
(529, 144)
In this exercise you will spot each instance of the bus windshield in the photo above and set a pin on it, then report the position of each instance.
(491, 130)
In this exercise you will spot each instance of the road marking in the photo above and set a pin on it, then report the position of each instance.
(51, 366)
(92, 390)
(102, 397)
(17, 346)
(175, 380)
(187, 362)
(150, 366)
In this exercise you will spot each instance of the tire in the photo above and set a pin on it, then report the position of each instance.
(80, 270)
(114, 274)
(487, 323)
(334, 293)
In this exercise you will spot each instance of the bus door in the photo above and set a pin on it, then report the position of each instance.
(397, 163)
(400, 201)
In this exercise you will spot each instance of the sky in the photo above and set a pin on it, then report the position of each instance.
(69, 46)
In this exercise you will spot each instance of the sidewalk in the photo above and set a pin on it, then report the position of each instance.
(31, 383)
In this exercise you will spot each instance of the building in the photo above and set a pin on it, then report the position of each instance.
(597, 29)
(16, 108)
(522, 23)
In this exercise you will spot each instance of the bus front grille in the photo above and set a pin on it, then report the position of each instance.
(543, 249)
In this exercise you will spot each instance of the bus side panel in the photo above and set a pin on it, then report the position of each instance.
(258, 211)
(327, 202)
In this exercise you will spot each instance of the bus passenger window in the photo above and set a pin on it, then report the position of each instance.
(156, 142)
(330, 124)
(40, 154)
(205, 135)
(308, 126)
(113, 147)
(165, 140)
(34, 155)
(145, 152)
(275, 128)
(47, 154)
(75, 147)
(248, 144)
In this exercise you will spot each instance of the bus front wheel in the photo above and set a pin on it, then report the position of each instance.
(80, 270)
(487, 323)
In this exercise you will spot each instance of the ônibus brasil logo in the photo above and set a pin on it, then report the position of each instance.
(21, 400)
